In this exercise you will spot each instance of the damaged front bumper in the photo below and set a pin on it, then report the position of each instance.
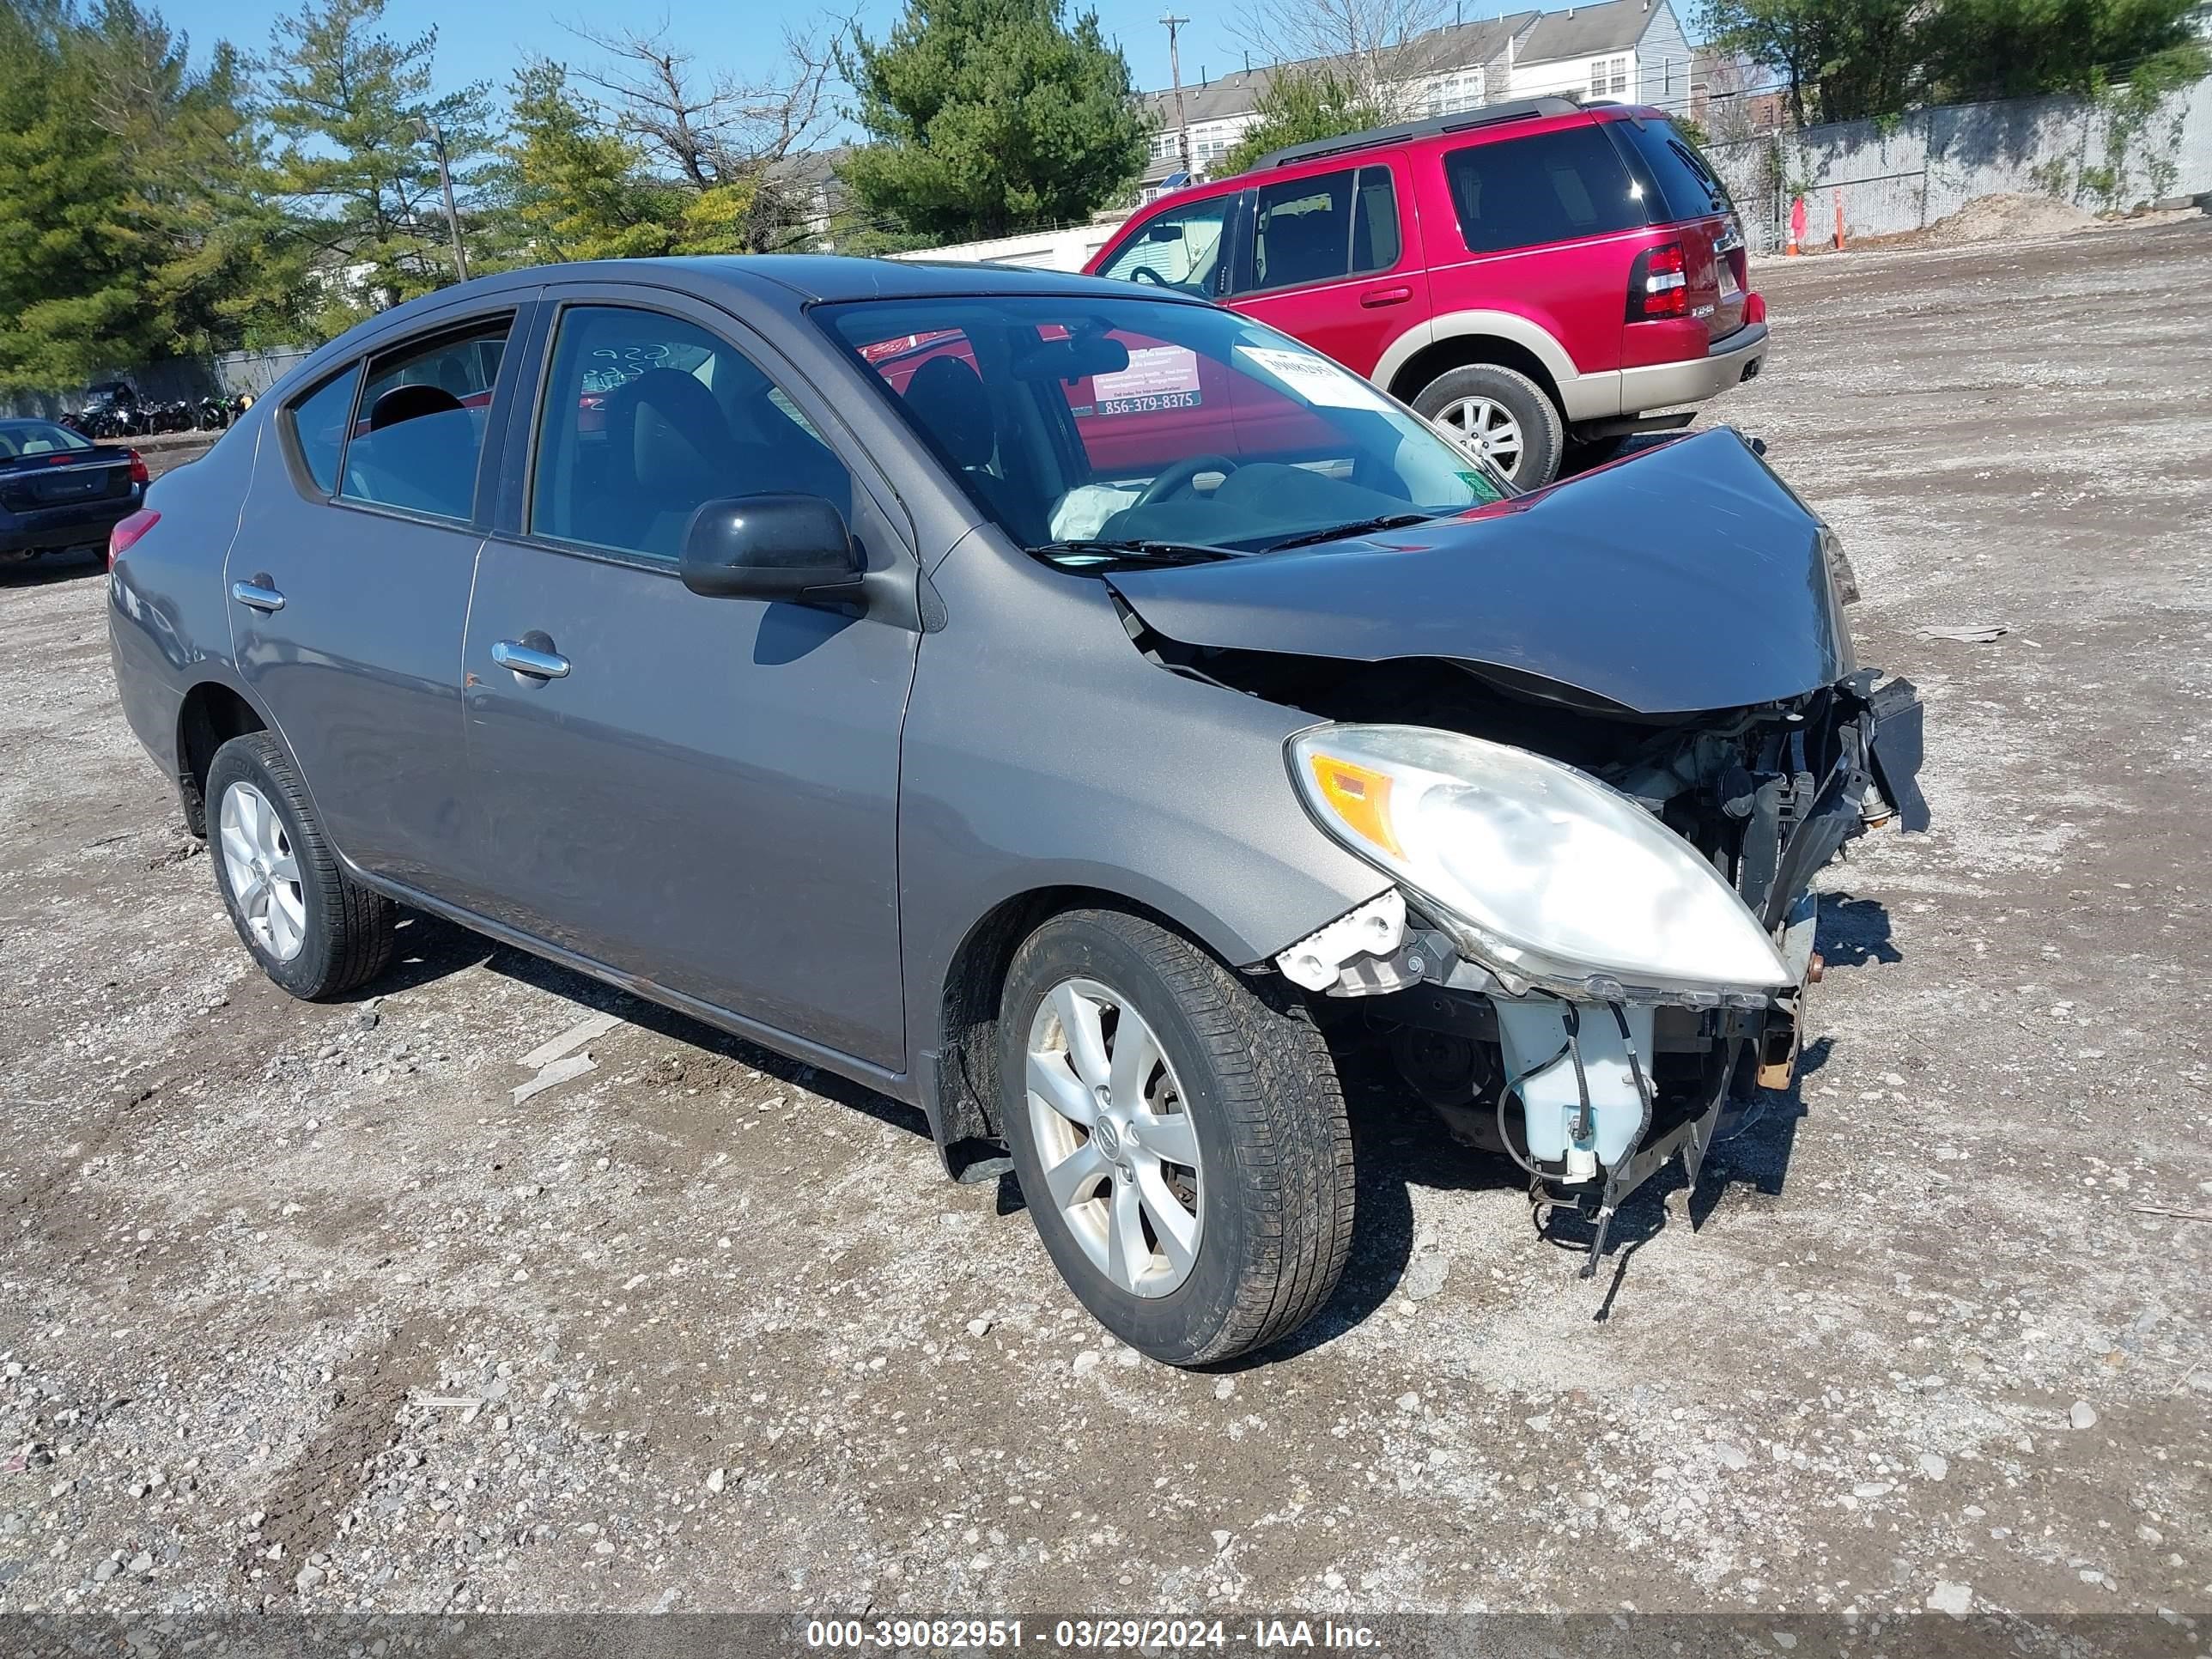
(1595, 1088)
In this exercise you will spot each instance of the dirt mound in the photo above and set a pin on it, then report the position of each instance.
(2006, 218)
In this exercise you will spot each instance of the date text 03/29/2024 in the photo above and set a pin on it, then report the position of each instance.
(1086, 1634)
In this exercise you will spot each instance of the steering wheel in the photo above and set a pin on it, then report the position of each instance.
(1147, 274)
(1180, 475)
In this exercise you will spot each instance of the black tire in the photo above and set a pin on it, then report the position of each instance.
(1267, 1109)
(349, 934)
(1543, 436)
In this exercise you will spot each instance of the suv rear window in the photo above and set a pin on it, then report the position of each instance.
(1547, 187)
(1687, 188)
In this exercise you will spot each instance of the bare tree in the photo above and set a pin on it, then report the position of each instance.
(1384, 48)
(721, 135)
(1730, 80)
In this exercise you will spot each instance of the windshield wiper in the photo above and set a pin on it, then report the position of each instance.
(1139, 551)
(1356, 527)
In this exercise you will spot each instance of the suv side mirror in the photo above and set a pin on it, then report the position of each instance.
(793, 547)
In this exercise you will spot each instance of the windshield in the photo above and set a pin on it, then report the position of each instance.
(1082, 425)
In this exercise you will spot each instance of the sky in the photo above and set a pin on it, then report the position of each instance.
(485, 39)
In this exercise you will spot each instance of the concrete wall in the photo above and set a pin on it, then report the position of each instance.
(1903, 175)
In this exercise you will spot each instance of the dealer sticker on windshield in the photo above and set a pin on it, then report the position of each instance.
(1157, 377)
(1317, 379)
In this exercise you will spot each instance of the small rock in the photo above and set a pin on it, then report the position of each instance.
(979, 1327)
(2083, 1415)
(1934, 1466)
(307, 1577)
(104, 1572)
(1731, 1457)
(1957, 1600)
(367, 1019)
(1087, 1361)
(1409, 1401)
(718, 1479)
(1223, 1388)
(141, 1563)
(1221, 1540)
(1426, 1278)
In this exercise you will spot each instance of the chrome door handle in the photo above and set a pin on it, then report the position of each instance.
(257, 594)
(528, 659)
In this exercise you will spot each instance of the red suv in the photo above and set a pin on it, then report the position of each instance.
(1533, 276)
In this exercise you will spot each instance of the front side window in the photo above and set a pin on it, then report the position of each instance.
(1323, 228)
(1548, 187)
(420, 427)
(1182, 249)
(319, 427)
(1071, 422)
(645, 417)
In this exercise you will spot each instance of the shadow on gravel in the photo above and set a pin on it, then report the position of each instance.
(50, 567)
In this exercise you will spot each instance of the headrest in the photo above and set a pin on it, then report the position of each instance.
(678, 439)
(411, 402)
(947, 397)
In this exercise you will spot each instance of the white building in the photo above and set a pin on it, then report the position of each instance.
(1633, 51)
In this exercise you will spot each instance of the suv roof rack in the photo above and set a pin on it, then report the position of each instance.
(1522, 109)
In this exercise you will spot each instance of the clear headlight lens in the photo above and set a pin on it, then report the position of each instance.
(1545, 873)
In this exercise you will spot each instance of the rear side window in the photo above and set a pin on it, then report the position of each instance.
(1548, 187)
(421, 426)
(1316, 229)
(318, 424)
(1687, 188)
(1180, 248)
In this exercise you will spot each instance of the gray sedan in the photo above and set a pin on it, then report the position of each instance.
(1067, 708)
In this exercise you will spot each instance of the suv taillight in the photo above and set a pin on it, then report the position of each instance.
(1658, 285)
(121, 539)
(139, 474)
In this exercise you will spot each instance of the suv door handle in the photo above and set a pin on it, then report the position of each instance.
(539, 664)
(1386, 296)
(259, 594)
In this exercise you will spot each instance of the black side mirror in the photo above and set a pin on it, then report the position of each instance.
(793, 547)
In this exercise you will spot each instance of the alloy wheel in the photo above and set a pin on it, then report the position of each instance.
(265, 875)
(1114, 1136)
(1484, 427)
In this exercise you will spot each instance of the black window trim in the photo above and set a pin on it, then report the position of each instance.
(676, 303)
(295, 454)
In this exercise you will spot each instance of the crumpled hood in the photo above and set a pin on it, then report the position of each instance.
(1686, 578)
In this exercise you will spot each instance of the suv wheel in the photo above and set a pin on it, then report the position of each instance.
(1501, 415)
(315, 932)
(1179, 1138)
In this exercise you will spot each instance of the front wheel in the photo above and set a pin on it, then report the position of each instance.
(1501, 415)
(1179, 1138)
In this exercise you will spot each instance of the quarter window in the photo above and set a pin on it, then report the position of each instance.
(1551, 187)
(1318, 230)
(319, 427)
(646, 416)
(420, 429)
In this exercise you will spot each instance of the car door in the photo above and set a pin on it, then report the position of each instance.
(699, 791)
(1331, 259)
(349, 582)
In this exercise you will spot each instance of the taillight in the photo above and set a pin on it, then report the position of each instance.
(126, 534)
(1659, 284)
(139, 474)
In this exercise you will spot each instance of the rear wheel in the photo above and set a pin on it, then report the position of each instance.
(1501, 415)
(1179, 1138)
(313, 930)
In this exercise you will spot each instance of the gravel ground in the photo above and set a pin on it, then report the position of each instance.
(323, 1307)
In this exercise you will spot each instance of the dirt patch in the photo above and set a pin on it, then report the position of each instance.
(2007, 219)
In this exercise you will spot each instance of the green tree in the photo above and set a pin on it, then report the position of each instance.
(2005, 48)
(578, 189)
(130, 199)
(1299, 107)
(352, 112)
(988, 117)
(1842, 60)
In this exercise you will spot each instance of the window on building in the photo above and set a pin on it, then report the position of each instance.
(1608, 77)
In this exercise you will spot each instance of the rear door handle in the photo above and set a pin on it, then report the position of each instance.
(539, 664)
(1385, 296)
(259, 594)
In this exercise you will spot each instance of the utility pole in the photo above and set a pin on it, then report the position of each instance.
(1175, 72)
(446, 183)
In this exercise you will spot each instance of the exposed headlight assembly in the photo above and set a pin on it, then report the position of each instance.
(1538, 872)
